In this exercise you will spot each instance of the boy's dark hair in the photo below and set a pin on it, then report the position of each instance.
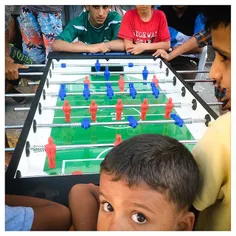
(161, 162)
(217, 15)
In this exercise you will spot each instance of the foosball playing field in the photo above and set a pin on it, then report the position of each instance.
(87, 110)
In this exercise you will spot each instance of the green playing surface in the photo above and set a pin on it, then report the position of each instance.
(88, 160)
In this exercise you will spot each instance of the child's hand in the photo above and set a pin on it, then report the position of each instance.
(136, 48)
(162, 53)
(11, 70)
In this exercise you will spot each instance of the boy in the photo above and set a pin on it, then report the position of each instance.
(212, 152)
(96, 30)
(144, 29)
(147, 182)
(23, 213)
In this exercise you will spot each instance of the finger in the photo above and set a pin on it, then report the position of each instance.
(22, 66)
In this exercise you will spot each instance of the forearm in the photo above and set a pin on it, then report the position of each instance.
(84, 206)
(184, 48)
(128, 43)
(159, 45)
(48, 215)
(116, 45)
(63, 46)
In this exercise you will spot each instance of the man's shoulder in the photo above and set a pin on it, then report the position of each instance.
(114, 16)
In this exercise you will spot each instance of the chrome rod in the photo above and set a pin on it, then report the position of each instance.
(186, 120)
(20, 95)
(102, 73)
(9, 149)
(31, 73)
(192, 71)
(177, 104)
(104, 64)
(14, 126)
(35, 65)
(124, 93)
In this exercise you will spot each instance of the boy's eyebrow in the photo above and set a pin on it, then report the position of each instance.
(143, 206)
(220, 51)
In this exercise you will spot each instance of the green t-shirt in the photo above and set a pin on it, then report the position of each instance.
(81, 28)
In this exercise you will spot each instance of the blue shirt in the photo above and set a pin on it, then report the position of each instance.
(18, 218)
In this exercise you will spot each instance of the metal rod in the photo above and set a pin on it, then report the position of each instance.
(35, 65)
(33, 83)
(104, 93)
(20, 95)
(105, 82)
(215, 103)
(9, 149)
(21, 108)
(109, 106)
(14, 126)
(41, 148)
(199, 80)
(31, 73)
(176, 104)
(105, 64)
(192, 71)
(186, 120)
(112, 106)
(102, 73)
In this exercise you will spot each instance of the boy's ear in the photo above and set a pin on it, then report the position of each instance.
(186, 222)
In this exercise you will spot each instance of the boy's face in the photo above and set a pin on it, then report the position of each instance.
(137, 208)
(143, 8)
(221, 67)
(98, 14)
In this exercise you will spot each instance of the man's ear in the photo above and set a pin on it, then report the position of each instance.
(186, 222)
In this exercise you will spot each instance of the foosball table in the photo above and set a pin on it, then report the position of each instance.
(85, 105)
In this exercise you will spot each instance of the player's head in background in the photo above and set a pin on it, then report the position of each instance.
(97, 14)
(144, 9)
(218, 22)
(147, 182)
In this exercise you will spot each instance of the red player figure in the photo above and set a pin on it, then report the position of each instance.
(144, 109)
(119, 109)
(77, 172)
(87, 81)
(121, 83)
(50, 149)
(169, 107)
(67, 110)
(118, 140)
(93, 110)
(155, 80)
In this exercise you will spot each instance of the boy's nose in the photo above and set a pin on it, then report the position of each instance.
(119, 224)
(101, 11)
(215, 73)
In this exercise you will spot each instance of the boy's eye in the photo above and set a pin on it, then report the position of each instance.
(107, 207)
(224, 58)
(139, 218)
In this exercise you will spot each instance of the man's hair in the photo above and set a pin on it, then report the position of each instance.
(217, 15)
(161, 162)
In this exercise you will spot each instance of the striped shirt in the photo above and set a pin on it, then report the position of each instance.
(203, 38)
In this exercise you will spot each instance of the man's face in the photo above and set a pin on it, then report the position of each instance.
(98, 14)
(221, 67)
(135, 208)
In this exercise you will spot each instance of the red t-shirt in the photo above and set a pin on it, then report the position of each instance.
(135, 29)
